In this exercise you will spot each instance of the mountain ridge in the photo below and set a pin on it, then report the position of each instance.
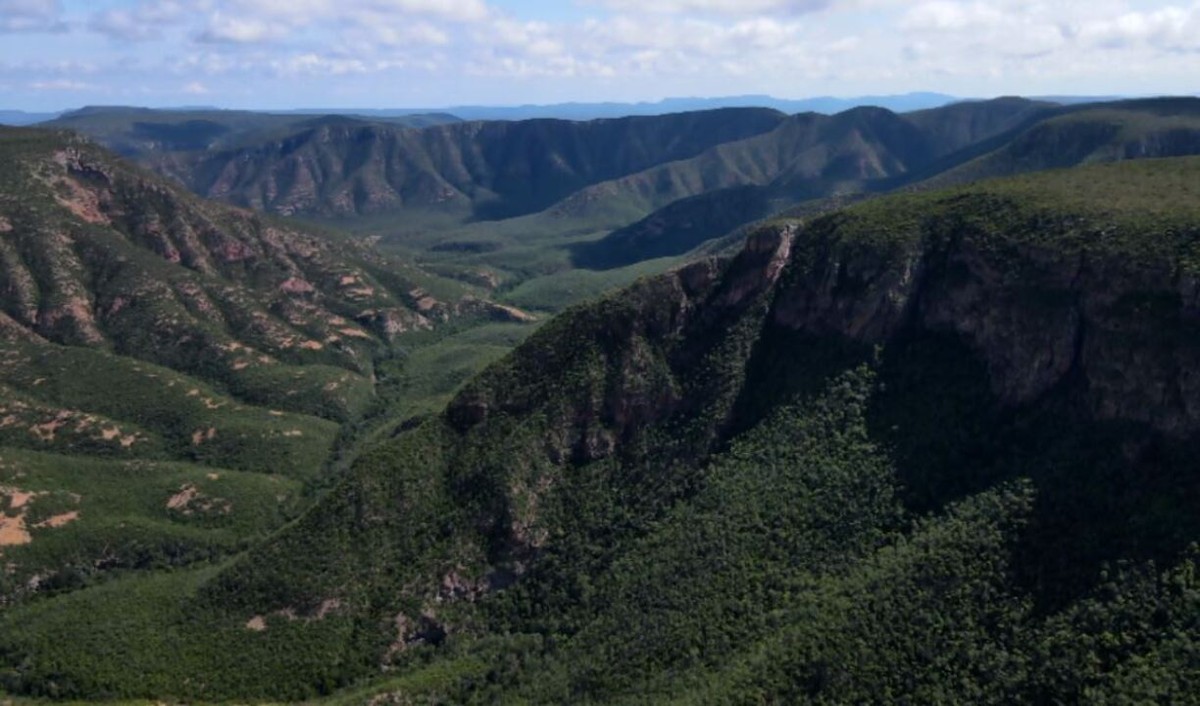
(962, 403)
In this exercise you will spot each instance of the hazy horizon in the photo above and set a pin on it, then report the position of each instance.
(931, 97)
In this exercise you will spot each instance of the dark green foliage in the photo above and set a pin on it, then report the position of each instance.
(130, 515)
(676, 228)
(490, 170)
(161, 408)
(936, 448)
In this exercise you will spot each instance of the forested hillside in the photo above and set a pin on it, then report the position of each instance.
(935, 447)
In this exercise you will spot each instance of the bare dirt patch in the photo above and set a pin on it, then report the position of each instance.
(59, 520)
(189, 500)
(186, 495)
(80, 200)
(296, 285)
(328, 606)
(46, 432)
(13, 532)
(200, 436)
(17, 498)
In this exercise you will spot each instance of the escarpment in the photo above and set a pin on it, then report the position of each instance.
(1039, 313)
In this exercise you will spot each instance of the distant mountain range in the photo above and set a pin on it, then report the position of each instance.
(593, 111)
(829, 105)
(667, 183)
(19, 118)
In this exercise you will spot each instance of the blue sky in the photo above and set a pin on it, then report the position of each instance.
(433, 53)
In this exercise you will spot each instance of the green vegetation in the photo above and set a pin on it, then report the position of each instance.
(177, 378)
(936, 447)
(142, 405)
(85, 517)
(138, 132)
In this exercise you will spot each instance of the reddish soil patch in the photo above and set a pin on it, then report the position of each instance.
(81, 201)
(13, 532)
(180, 500)
(59, 520)
(17, 499)
(47, 431)
(295, 285)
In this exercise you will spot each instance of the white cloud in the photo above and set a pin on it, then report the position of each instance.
(195, 88)
(302, 13)
(316, 64)
(717, 7)
(949, 16)
(31, 16)
(146, 20)
(62, 85)
(420, 33)
(224, 28)
(384, 22)
(1171, 28)
(615, 49)
(454, 10)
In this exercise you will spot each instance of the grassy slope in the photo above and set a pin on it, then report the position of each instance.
(123, 515)
(151, 341)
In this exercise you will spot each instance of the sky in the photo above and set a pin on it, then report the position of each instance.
(274, 54)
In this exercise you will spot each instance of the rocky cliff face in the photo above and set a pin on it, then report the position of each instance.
(1061, 308)
(1037, 315)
